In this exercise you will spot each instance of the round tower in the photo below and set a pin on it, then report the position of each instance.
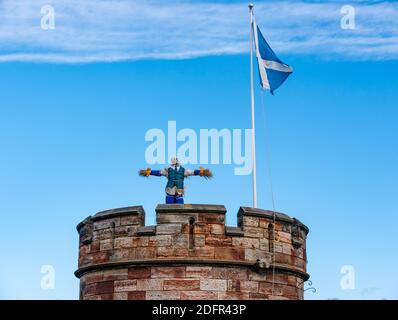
(191, 254)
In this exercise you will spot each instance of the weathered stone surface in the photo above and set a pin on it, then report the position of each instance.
(167, 272)
(218, 240)
(230, 273)
(139, 272)
(199, 240)
(168, 252)
(162, 295)
(246, 242)
(181, 284)
(249, 286)
(250, 221)
(136, 295)
(191, 254)
(213, 284)
(231, 253)
(160, 240)
(254, 254)
(172, 228)
(198, 295)
(104, 287)
(203, 252)
(201, 228)
(120, 296)
(254, 232)
(217, 228)
(131, 220)
(125, 285)
(149, 284)
(233, 285)
(123, 242)
(146, 253)
(146, 231)
(116, 274)
(198, 272)
(233, 296)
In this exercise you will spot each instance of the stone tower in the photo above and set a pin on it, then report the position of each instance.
(191, 254)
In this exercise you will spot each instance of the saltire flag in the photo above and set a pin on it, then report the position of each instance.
(273, 72)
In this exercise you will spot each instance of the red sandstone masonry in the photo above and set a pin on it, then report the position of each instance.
(121, 259)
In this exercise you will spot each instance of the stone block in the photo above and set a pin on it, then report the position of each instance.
(179, 241)
(115, 274)
(213, 284)
(106, 244)
(233, 296)
(120, 296)
(104, 287)
(122, 254)
(203, 252)
(139, 272)
(125, 285)
(106, 223)
(123, 242)
(198, 272)
(249, 221)
(181, 284)
(201, 228)
(257, 296)
(162, 295)
(233, 285)
(283, 237)
(168, 252)
(136, 295)
(172, 228)
(218, 240)
(199, 240)
(149, 284)
(140, 241)
(230, 273)
(264, 244)
(160, 240)
(249, 286)
(211, 218)
(245, 242)
(131, 220)
(231, 253)
(217, 228)
(254, 232)
(198, 295)
(146, 253)
(254, 254)
(168, 272)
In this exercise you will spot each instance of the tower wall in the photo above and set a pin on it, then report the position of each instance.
(191, 254)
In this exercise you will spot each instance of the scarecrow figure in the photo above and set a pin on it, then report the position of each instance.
(175, 179)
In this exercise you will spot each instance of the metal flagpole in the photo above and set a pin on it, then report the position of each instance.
(254, 174)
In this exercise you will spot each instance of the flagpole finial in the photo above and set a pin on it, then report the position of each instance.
(251, 5)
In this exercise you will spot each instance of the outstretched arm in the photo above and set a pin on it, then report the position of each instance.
(206, 173)
(148, 172)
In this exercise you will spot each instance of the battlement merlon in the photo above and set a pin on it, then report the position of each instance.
(192, 234)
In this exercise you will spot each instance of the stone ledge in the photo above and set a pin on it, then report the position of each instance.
(135, 210)
(186, 261)
(147, 231)
(234, 231)
(279, 216)
(190, 208)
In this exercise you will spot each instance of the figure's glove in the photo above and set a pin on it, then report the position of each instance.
(206, 173)
(145, 172)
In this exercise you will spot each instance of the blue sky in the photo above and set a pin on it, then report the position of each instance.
(72, 132)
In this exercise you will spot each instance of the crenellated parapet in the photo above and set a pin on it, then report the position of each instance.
(191, 254)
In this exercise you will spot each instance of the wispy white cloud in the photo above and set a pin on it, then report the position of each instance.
(115, 30)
